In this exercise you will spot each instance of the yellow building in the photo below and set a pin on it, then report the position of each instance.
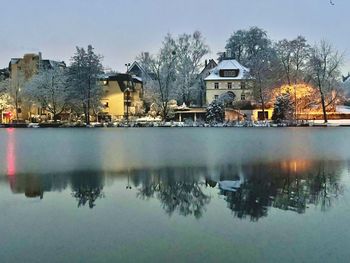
(122, 97)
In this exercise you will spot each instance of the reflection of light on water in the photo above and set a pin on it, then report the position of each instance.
(296, 165)
(11, 155)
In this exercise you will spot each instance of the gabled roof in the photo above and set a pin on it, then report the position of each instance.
(135, 66)
(211, 64)
(229, 64)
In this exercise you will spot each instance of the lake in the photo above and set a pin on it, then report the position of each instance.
(175, 195)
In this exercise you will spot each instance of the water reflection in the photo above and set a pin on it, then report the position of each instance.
(179, 190)
(284, 187)
(11, 156)
(250, 190)
(87, 188)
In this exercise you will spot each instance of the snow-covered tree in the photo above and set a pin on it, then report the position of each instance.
(14, 91)
(283, 108)
(85, 88)
(190, 51)
(324, 72)
(5, 100)
(243, 45)
(161, 70)
(215, 112)
(49, 90)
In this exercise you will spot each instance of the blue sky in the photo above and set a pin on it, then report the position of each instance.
(120, 30)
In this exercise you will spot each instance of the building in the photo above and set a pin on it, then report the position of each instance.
(230, 78)
(209, 65)
(122, 97)
(22, 70)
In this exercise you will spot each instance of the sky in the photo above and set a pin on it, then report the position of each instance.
(120, 30)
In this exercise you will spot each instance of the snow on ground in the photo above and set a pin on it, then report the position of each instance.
(333, 122)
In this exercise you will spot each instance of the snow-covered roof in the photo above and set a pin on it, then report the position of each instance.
(137, 78)
(228, 64)
(231, 186)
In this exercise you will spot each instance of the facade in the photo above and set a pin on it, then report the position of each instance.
(22, 70)
(122, 97)
(230, 78)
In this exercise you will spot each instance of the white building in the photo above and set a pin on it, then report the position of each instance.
(229, 77)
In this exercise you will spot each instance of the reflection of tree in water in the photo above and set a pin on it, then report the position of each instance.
(87, 188)
(324, 188)
(284, 187)
(177, 189)
(253, 197)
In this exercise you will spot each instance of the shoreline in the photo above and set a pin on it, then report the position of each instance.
(138, 125)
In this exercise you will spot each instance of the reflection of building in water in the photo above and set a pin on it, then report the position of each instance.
(286, 185)
(249, 190)
(35, 185)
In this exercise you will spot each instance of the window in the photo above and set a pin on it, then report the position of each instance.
(229, 73)
(216, 85)
(261, 115)
(229, 85)
(216, 97)
(242, 85)
(242, 96)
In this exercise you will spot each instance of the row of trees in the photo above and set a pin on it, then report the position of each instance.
(173, 73)
(58, 90)
(287, 62)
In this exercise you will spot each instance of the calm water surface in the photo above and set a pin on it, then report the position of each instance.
(175, 195)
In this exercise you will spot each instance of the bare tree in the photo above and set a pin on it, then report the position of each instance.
(324, 72)
(162, 71)
(293, 55)
(190, 49)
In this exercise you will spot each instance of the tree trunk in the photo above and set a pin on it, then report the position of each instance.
(262, 104)
(88, 104)
(323, 106)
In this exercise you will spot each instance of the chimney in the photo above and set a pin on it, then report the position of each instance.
(40, 56)
(206, 63)
(146, 55)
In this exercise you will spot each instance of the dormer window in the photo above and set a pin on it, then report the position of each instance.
(229, 73)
